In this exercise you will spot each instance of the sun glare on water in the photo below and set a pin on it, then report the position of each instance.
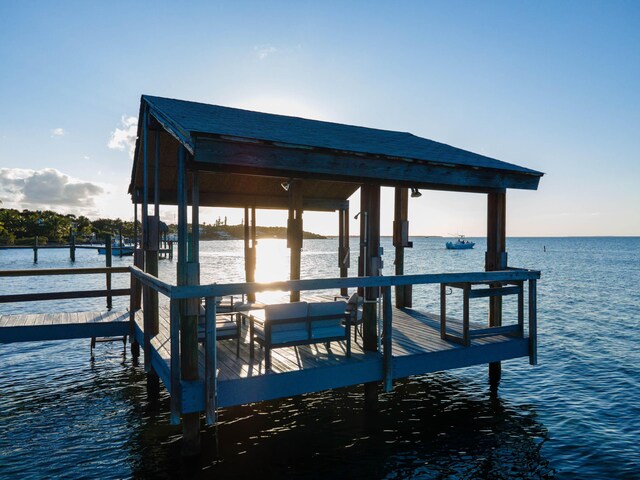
(272, 265)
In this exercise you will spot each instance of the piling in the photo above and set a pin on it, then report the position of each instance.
(108, 263)
(35, 250)
(369, 265)
(496, 259)
(72, 247)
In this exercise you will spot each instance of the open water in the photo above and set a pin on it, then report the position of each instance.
(575, 415)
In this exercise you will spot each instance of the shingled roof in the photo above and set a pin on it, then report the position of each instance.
(194, 119)
(246, 155)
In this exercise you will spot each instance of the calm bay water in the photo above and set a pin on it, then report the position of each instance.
(575, 415)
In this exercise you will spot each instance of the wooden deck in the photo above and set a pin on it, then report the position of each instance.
(63, 326)
(417, 349)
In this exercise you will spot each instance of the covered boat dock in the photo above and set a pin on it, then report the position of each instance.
(197, 155)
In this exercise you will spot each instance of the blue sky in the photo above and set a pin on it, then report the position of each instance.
(553, 86)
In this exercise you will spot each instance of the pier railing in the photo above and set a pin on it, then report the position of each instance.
(108, 292)
(495, 283)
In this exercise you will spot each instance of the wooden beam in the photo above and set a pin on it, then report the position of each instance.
(400, 242)
(294, 233)
(236, 200)
(236, 157)
(189, 323)
(496, 259)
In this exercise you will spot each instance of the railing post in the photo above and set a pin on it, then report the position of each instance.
(107, 244)
(387, 327)
(443, 311)
(211, 387)
(533, 323)
(465, 314)
(176, 388)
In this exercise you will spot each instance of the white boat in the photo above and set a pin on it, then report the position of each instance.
(120, 247)
(460, 244)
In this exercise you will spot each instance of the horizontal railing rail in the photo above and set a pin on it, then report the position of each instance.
(222, 290)
(65, 295)
(62, 271)
(153, 282)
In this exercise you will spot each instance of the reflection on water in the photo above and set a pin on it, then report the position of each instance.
(576, 415)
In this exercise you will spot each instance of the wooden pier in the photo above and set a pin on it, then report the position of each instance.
(63, 326)
(195, 155)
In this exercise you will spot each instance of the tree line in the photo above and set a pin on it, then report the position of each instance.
(22, 227)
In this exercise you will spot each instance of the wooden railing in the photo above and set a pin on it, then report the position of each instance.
(108, 292)
(210, 293)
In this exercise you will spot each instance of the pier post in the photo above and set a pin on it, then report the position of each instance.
(108, 264)
(187, 272)
(35, 250)
(294, 233)
(72, 247)
(136, 287)
(344, 257)
(496, 259)
(369, 265)
(250, 243)
(400, 242)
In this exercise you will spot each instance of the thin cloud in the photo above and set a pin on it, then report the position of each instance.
(124, 136)
(47, 189)
(263, 51)
(58, 132)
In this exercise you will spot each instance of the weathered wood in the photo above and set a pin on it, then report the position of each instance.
(344, 250)
(387, 332)
(465, 314)
(400, 242)
(494, 292)
(221, 290)
(188, 323)
(294, 233)
(533, 323)
(108, 264)
(176, 397)
(34, 297)
(72, 248)
(44, 272)
(491, 331)
(287, 162)
(152, 281)
(240, 200)
(443, 311)
(61, 326)
(211, 366)
(496, 259)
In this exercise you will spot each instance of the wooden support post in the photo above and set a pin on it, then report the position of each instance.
(174, 332)
(186, 274)
(294, 232)
(496, 259)
(533, 323)
(250, 248)
(387, 333)
(344, 255)
(400, 242)
(370, 264)
(211, 397)
(108, 263)
(35, 250)
(72, 247)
